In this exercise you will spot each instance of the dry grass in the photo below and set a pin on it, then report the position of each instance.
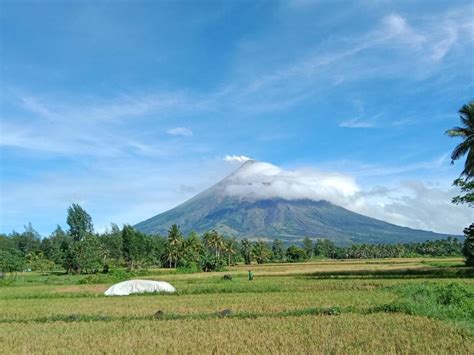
(348, 333)
(271, 314)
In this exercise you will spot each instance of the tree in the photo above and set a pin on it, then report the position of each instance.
(295, 254)
(133, 246)
(214, 242)
(175, 237)
(308, 247)
(325, 248)
(466, 147)
(28, 241)
(52, 247)
(79, 221)
(229, 249)
(466, 133)
(261, 251)
(174, 248)
(86, 254)
(111, 244)
(38, 262)
(467, 188)
(192, 250)
(278, 250)
(468, 247)
(246, 250)
(11, 261)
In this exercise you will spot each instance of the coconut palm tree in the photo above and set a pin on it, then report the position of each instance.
(261, 251)
(170, 255)
(214, 241)
(229, 249)
(246, 250)
(466, 132)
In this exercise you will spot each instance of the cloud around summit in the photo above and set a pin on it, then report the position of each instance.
(410, 203)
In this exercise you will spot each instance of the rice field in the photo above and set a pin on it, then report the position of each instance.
(376, 306)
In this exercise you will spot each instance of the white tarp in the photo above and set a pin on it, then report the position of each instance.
(139, 286)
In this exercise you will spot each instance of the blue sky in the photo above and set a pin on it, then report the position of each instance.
(131, 107)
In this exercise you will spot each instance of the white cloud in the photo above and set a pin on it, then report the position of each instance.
(412, 204)
(397, 28)
(257, 180)
(356, 123)
(180, 131)
(236, 158)
(415, 204)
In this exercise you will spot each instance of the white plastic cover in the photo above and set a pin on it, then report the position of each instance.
(139, 286)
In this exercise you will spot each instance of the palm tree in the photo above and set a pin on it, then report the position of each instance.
(261, 251)
(246, 250)
(466, 132)
(170, 255)
(214, 241)
(175, 237)
(229, 248)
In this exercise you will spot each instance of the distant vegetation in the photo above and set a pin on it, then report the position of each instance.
(80, 250)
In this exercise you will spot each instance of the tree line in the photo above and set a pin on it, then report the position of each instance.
(80, 250)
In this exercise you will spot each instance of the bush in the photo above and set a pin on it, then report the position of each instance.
(187, 268)
(451, 294)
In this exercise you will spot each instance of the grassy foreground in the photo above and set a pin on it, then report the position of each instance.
(376, 306)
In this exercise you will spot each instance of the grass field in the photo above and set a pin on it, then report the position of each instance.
(377, 306)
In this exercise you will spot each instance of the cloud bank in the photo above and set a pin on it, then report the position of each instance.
(410, 203)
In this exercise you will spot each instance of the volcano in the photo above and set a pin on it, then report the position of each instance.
(237, 207)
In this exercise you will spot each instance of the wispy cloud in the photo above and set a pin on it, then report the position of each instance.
(236, 158)
(180, 131)
(356, 123)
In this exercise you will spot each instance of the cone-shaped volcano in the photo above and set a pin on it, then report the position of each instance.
(251, 203)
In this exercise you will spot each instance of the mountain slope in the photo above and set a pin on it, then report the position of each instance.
(271, 218)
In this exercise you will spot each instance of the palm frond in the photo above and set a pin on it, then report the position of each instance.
(467, 115)
(469, 164)
(457, 132)
(459, 151)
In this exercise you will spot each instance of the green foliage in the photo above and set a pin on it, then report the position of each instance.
(295, 254)
(38, 262)
(79, 221)
(188, 268)
(11, 261)
(467, 188)
(111, 245)
(209, 262)
(325, 248)
(466, 133)
(214, 242)
(453, 301)
(261, 252)
(278, 250)
(86, 254)
(134, 246)
(28, 241)
(468, 247)
(246, 250)
(308, 247)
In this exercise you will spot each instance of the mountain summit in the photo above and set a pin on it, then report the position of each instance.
(259, 200)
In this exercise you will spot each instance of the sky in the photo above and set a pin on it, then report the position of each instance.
(131, 107)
